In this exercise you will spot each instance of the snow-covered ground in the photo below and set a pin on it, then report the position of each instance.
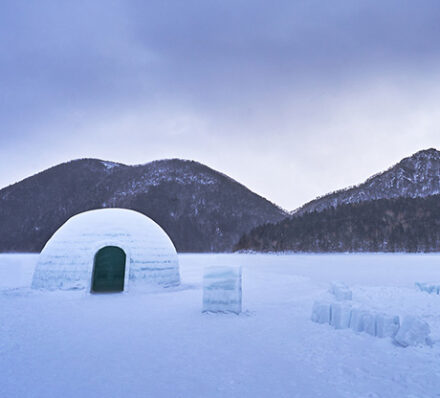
(159, 344)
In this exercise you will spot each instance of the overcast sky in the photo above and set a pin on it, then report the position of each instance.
(291, 98)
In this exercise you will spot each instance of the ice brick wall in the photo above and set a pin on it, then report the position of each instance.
(66, 262)
(222, 289)
(412, 331)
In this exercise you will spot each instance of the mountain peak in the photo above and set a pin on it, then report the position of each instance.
(415, 176)
(200, 208)
(430, 153)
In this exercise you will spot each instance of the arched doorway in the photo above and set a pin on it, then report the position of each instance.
(109, 270)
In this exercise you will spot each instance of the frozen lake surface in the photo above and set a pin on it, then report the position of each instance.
(159, 344)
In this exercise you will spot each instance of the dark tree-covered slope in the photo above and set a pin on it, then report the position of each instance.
(389, 225)
(201, 209)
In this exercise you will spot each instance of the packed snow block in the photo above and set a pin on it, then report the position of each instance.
(369, 323)
(413, 331)
(340, 315)
(222, 289)
(357, 319)
(387, 325)
(321, 312)
(341, 291)
(363, 321)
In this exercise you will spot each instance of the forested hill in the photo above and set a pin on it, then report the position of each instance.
(385, 225)
(201, 209)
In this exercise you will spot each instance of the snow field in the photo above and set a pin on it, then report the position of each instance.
(158, 343)
(341, 291)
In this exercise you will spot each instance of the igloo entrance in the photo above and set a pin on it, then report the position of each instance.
(109, 270)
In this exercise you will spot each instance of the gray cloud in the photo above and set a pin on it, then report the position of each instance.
(292, 98)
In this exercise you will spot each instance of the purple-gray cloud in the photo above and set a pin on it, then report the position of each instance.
(292, 98)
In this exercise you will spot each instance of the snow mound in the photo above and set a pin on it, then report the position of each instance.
(413, 331)
(340, 291)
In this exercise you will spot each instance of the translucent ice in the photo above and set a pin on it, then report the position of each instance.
(357, 319)
(222, 289)
(386, 325)
(369, 323)
(340, 315)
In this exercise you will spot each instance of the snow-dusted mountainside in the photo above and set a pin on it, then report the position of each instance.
(200, 209)
(414, 176)
(383, 225)
(397, 210)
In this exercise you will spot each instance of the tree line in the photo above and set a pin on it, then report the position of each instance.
(385, 225)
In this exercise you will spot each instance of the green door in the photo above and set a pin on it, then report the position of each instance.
(109, 270)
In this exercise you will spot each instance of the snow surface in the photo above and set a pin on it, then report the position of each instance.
(341, 291)
(159, 344)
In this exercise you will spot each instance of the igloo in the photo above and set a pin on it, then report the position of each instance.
(107, 250)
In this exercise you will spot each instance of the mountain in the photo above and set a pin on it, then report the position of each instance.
(396, 210)
(413, 177)
(383, 225)
(201, 209)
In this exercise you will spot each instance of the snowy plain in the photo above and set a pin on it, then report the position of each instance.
(159, 344)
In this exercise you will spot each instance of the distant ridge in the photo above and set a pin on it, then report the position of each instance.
(201, 209)
(416, 176)
(396, 210)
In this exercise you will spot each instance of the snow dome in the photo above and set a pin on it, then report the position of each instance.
(107, 250)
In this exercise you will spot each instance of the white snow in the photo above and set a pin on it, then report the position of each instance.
(222, 289)
(341, 291)
(159, 344)
(110, 165)
(66, 261)
(413, 331)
